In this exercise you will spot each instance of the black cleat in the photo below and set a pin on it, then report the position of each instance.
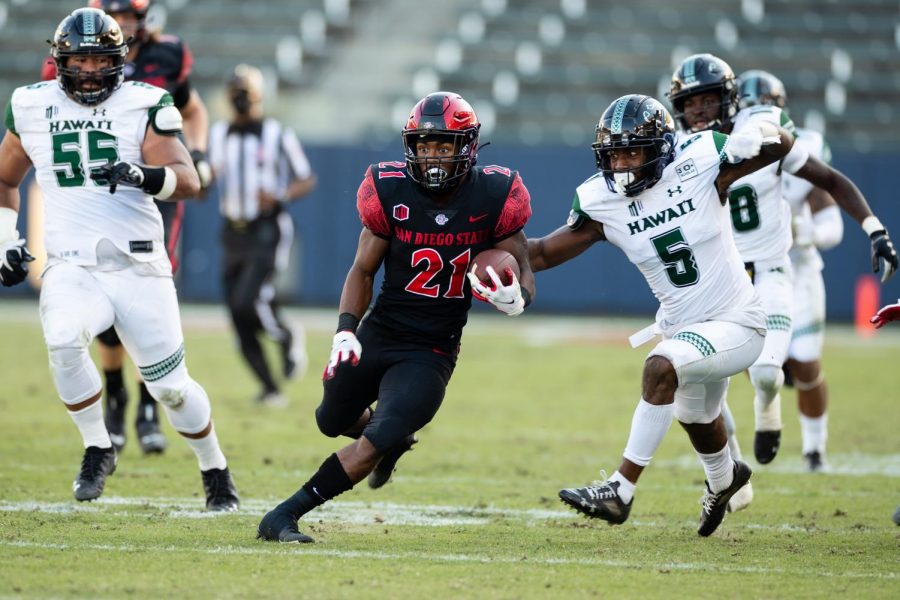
(815, 462)
(278, 526)
(598, 501)
(715, 505)
(150, 437)
(221, 495)
(897, 516)
(96, 465)
(388, 463)
(766, 445)
(114, 416)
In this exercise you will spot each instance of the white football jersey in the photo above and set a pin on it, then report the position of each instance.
(796, 189)
(66, 140)
(760, 217)
(678, 234)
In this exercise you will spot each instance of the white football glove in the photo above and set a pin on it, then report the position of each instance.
(14, 259)
(505, 298)
(803, 230)
(344, 347)
(744, 144)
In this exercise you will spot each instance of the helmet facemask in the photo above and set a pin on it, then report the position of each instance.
(634, 122)
(441, 117)
(89, 32)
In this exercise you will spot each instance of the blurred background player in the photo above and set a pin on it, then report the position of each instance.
(704, 97)
(107, 264)
(164, 61)
(425, 219)
(663, 205)
(259, 166)
(816, 225)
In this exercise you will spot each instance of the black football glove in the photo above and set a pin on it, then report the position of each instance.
(884, 256)
(122, 173)
(204, 170)
(14, 259)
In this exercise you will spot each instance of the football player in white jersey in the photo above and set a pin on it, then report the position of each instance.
(816, 225)
(704, 97)
(664, 205)
(102, 150)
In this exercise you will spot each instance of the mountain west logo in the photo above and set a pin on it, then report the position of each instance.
(442, 217)
(662, 217)
(635, 208)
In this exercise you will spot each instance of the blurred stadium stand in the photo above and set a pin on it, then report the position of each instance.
(538, 71)
(345, 74)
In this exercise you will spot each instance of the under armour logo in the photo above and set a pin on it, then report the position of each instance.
(100, 111)
(674, 190)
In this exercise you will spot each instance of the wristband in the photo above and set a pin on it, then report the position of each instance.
(347, 322)
(871, 225)
(8, 218)
(159, 182)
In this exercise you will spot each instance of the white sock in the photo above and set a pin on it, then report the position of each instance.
(731, 430)
(208, 452)
(626, 488)
(648, 428)
(768, 414)
(90, 423)
(719, 469)
(814, 431)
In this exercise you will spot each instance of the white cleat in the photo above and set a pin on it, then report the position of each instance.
(741, 499)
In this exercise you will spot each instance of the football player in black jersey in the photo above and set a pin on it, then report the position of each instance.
(424, 220)
(164, 61)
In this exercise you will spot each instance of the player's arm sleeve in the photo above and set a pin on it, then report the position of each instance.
(182, 92)
(371, 213)
(10, 119)
(516, 210)
(296, 157)
(164, 117)
(577, 217)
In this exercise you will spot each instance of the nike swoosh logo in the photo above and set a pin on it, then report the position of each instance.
(478, 218)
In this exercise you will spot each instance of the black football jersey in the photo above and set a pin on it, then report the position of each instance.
(164, 61)
(425, 295)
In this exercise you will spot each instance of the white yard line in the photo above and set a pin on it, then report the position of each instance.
(308, 550)
(358, 513)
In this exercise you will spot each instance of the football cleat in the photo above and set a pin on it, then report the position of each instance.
(599, 501)
(221, 495)
(765, 446)
(897, 516)
(741, 499)
(716, 504)
(271, 398)
(96, 465)
(114, 416)
(815, 462)
(388, 463)
(150, 438)
(278, 526)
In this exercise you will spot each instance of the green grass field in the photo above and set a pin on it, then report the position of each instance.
(535, 404)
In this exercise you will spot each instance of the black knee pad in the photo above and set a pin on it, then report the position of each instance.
(109, 338)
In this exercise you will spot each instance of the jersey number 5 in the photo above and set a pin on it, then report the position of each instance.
(674, 251)
(69, 162)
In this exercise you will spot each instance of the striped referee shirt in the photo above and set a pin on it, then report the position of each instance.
(261, 155)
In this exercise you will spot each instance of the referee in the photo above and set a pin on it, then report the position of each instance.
(260, 166)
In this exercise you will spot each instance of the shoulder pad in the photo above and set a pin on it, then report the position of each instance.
(164, 117)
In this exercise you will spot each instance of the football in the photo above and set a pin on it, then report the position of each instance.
(499, 260)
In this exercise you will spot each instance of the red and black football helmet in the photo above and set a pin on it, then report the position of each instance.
(441, 116)
(701, 74)
(760, 87)
(635, 121)
(138, 8)
(89, 32)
